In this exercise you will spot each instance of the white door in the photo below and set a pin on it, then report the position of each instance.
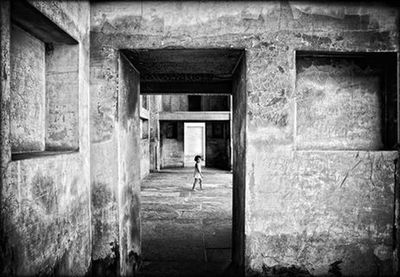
(194, 142)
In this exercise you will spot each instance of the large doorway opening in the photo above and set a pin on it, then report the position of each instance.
(187, 232)
(190, 73)
(194, 142)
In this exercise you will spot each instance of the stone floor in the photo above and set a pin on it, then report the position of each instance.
(184, 232)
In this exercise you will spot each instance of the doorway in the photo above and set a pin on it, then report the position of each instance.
(194, 142)
(203, 71)
(187, 231)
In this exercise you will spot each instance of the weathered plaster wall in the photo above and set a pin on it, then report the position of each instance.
(115, 163)
(62, 97)
(5, 146)
(145, 120)
(155, 154)
(340, 104)
(270, 33)
(104, 160)
(44, 94)
(45, 207)
(144, 157)
(322, 213)
(172, 150)
(28, 109)
(129, 167)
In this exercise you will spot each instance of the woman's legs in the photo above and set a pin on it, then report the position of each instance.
(201, 183)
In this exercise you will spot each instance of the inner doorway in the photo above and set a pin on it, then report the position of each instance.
(194, 142)
(188, 232)
(201, 71)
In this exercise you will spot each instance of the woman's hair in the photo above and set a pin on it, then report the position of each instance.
(197, 157)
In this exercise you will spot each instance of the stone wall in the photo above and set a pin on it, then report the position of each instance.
(342, 102)
(62, 97)
(104, 159)
(218, 152)
(340, 216)
(144, 157)
(281, 229)
(155, 153)
(171, 147)
(145, 121)
(129, 170)
(301, 202)
(27, 54)
(115, 166)
(45, 200)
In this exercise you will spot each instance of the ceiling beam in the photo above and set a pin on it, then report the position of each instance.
(33, 21)
(195, 116)
(183, 77)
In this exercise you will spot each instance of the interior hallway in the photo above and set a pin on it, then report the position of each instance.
(184, 232)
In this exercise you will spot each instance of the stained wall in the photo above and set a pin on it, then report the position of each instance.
(345, 103)
(144, 149)
(115, 163)
(171, 144)
(154, 121)
(306, 209)
(129, 145)
(27, 87)
(45, 199)
(62, 97)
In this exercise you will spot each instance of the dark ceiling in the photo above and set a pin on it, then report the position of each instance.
(185, 61)
(185, 70)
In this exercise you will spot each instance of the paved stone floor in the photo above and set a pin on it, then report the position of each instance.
(184, 232)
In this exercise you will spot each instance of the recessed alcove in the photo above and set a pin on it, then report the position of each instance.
(346, 101)
(44, 63)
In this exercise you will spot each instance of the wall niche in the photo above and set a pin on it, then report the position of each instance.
(44, 85)
(346, 101)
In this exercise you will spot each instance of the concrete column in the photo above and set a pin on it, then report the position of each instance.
(155, 155)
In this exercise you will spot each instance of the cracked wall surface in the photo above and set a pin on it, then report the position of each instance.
(271, 33)
(321, 210)
(28, 91)
(129, 167)
(45, 201)
(343, 103)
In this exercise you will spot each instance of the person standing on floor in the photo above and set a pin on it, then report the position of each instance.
(198, 175)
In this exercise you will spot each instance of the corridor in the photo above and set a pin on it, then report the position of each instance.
(185, 232)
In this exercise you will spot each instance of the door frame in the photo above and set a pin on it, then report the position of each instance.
(239, 138)
(203, 146)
